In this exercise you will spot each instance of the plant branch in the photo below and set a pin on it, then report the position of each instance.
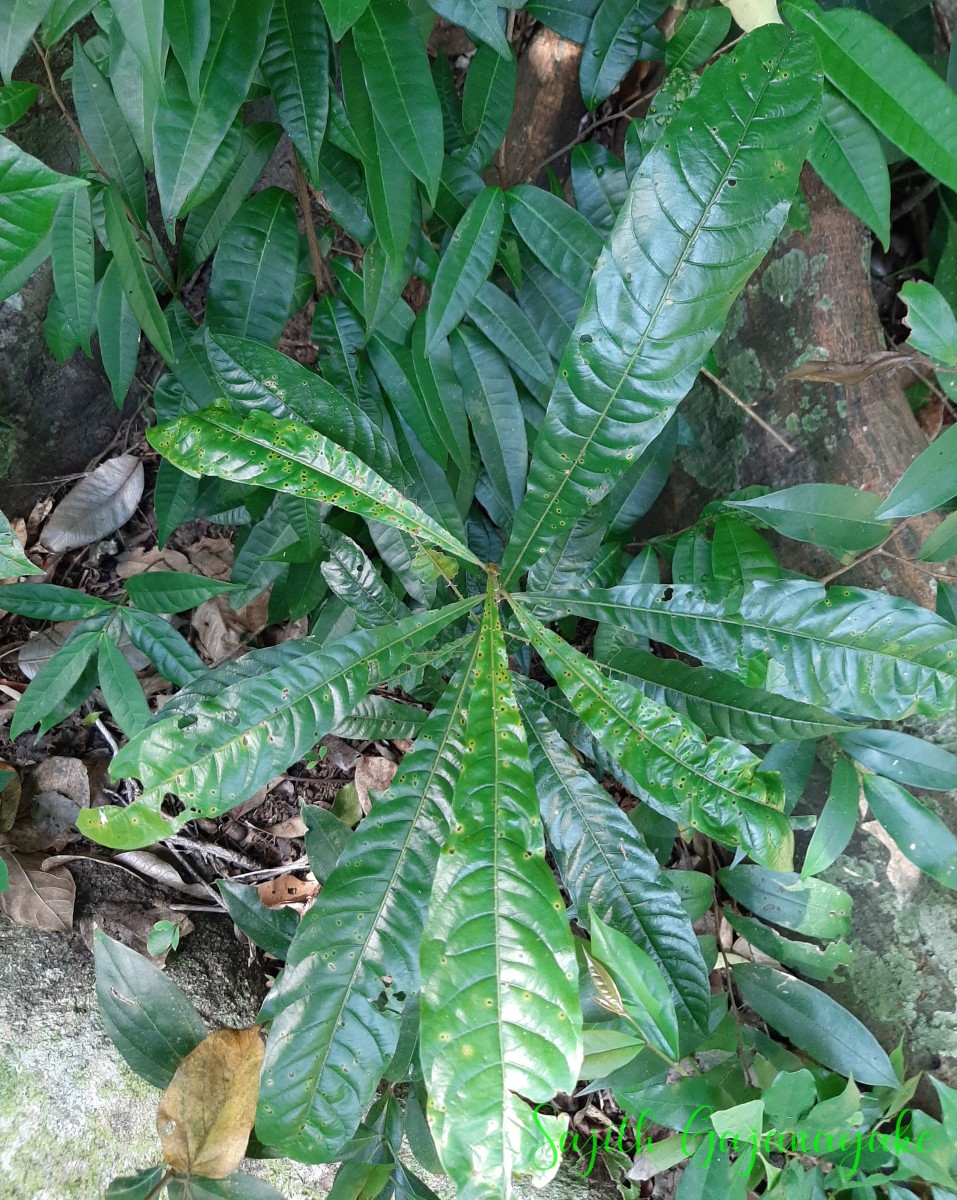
(319, 270)
(748, 410)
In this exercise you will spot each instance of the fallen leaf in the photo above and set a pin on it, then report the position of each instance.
(59, 773)
(36, 898)
(99, 505)
(131, 925)
(40, 649)
(207, 1112)
(287, 889)
(140, 561)
(292, 828)
(220, 630)
(375, 773)
(849, 374)
(10, 790)
(211, 557)
(47, 821)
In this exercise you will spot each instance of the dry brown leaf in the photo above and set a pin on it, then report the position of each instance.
(131, 924)
(372, 773)
(9, 798)
(99, 505)
(47, 821)
(212, 557)
(140, 561)
(849, 374)
(220, 631)
(206, 1114)
(36, 898)
(287, 889)
(292, 828)
(40, 649)
(68, 776)
(38, 514)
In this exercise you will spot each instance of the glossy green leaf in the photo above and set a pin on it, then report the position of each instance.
(187, 24)
(850, 650)
(465, 265)
(569, 18)
(941, 543)
(271, 929)
(148, 1018)
(887, 81)
(29, 199)
(621, 33)
(711, 1174)
(15, 100)
(714, 787)
(825, 514)
(135, 1187)
(599, 183)
(290, 457)
(133, 277)
(721, 705)
(910, 760)
(254, 271)
(933, 326)
(295, 65)
(479, 19)
(13, 560)
(815, 1024)
(19, 20)
(510, 331)
(48, 601)
(401, 91)
(559, 236)
(172, 591)
(187, 133)
(838, 820)
(696, 37)
(377, 718)
(679, 254)
(168, 651)
(71, 246)
(330, 1039)
(606, 865)
(847, 154)
(487, 101)
(930, 480)
(739, 554)
(803, 904)
(919, 834)
(118, 333)
(395, 370)
(121, 689)
(342, 15)
(142, 27)
(499, 977)
(812, 961)
(53, 684)
(441, 393)
(351, 575)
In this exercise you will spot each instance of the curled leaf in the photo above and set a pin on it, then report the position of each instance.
(99, 505)
(827, 370)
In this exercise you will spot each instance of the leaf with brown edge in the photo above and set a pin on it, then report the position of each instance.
(207, 1112)
(826, 370)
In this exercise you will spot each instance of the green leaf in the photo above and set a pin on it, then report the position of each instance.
(351, 575)
(168, 651)
(442, 395)
(900, 756)
(272, 929)
(487, 101)
(919, 834)
(679, 254)
(106, 131)
(812, 961)
(714, 787)
(148, 1018)
(326, 835)
(342, 15)
(479, 19)
(118, 332)
(600, 184)
(377, 718)
(825, 514)
(606, 865)
(933, 327)
(621, 33)
(886, 80)
(696, 37)
(135, 1187)
(48, 601)
(465, 265)
(508, 328)
(403, 97)
(847, 154)
(292, 458)
(172, 591)
(71, 246)
(54, 682)
(394, 369)
(838, 819)
(29, 198)
(133, 276)
(142, 27)
(295, 65)
(254, 271)
(941, 543)
(721, 705)
(559, 237)
(815, 1024)
(929, 481)
(121, 689)
(187, 133)
(13, 559)
(851, 650)
(364, 925)
(499, 977)
(187, 24)
(19, 20)
(803, 904)
(641, 986)
(569, 18)
(15, 100)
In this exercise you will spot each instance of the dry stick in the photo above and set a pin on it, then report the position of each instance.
(748, 410)
(319, 272)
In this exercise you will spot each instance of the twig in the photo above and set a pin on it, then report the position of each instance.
(747, 409)
(214, 851)
(875, 550)
(319, 272)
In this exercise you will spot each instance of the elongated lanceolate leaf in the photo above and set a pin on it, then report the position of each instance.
(289, 457)
(851, 650)
(71, 244)
(329, 1042)
(919, 834)
(465, 265)
(848, 156)
(242, 737)
(683, 247)
(295, 64)
(713, 786)
(187, 24)
(605, 863)
(133, 277)
(500, 1010)
(621, 34)
(18, 23)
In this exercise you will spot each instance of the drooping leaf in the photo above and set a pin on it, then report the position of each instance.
(442, 394)
(933, 326)
(71, 246)
(121, 689)
(98, 505)
(142, 28)
(825, 514)
(850, 650)
(512, 333)
(559, 236)
(465, 265)
(838, 819)
(19, 20)
(930, 480)
(487, 101)
(606, 865)
(847, 154)
(187, 25)
(569, 18)
(395, 370)
(499, 979)
(254, 271)
(714, 787)
(696, 37)
(621, 33)
(133, 277)
(914, 761)
(118, 333)
(815, 1024)
(919, 834)
(295, 64)
(365, 925)
(803, 904)
(676, 259)
(479, 18)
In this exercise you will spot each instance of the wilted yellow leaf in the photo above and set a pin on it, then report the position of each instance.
(207, 1112)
